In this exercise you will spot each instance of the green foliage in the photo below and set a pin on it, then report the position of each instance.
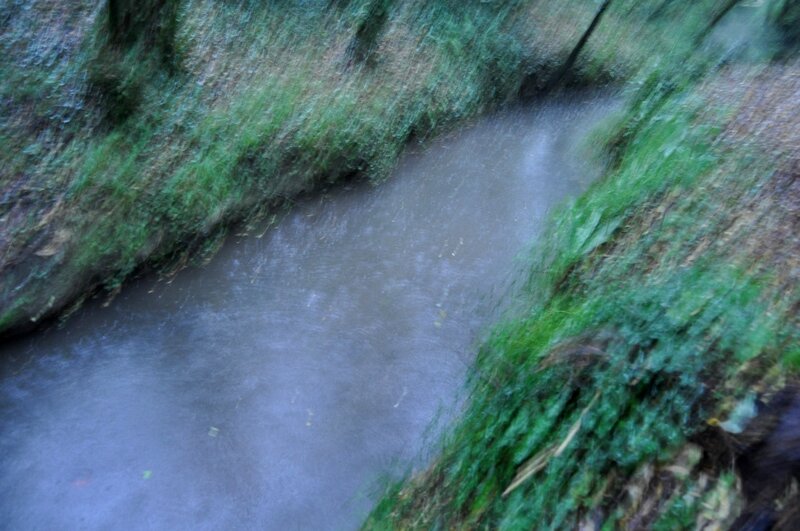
(134, 48)
(373, 17)
(680, 514)
(669, 145)
(215, 109)
(662, 339)
(196, 113)
(254, 114)
(119, 77)
(617, 361)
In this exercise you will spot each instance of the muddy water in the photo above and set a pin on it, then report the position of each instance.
(274, 387)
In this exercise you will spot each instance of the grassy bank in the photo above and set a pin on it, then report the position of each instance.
(122, 152)
(659, 350)
(661, 307)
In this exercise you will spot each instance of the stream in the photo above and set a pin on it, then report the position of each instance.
(280, 385)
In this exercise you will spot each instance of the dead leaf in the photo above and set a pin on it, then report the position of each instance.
(540, 460)
(55, 245)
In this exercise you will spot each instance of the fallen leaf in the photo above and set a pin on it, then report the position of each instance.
(540, 460)
(60, 237)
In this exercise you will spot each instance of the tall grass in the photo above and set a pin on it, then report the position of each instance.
(649, 312)
(637, 320)
(136, 160)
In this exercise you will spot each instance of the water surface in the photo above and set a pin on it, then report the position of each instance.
(271, 388)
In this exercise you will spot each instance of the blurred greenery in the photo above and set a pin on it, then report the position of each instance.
(784, 15)
(626, 335)
(138, 158)
(646, 311)
(132, 142)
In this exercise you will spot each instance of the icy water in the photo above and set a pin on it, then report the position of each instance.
(277, 386)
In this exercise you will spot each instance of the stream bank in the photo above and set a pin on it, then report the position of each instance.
(275, 386)
(114, 165)
(652, 382)
(662, 305)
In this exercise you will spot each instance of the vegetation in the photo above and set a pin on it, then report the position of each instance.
(661, 314)
(784, 15)
(130, 140)
(660, 302)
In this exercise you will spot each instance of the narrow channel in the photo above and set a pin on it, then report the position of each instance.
(276, 386)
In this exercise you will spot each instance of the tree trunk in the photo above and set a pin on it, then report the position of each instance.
(152, 22)
(562, 76)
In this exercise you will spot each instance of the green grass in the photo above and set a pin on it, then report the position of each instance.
(641, 326)
(645, 311)
(263, 102)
